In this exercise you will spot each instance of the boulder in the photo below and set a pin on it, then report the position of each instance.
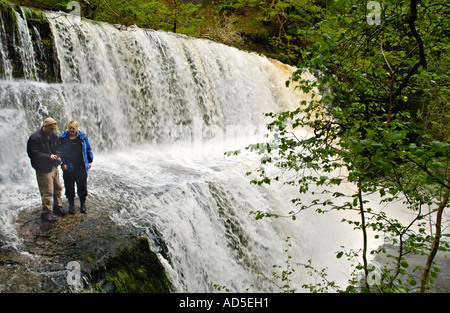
(109, 257)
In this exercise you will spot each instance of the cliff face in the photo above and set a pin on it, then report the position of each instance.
(109, 257)
(15, 21)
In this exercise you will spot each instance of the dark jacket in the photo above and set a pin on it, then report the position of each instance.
(86, 151)
(39, 148)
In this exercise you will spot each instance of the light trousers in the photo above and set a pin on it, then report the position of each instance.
(50, 189)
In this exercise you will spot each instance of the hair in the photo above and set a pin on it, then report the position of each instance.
(74, 124)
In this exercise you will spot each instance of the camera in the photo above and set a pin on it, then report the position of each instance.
(58, 161)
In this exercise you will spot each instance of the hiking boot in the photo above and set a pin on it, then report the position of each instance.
(58, 210)
(82, 208)
(71, 208)
(48, 217)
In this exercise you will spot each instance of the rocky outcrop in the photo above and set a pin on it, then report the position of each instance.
(110, 257)
(36, 33)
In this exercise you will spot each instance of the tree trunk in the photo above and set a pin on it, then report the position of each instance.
(364, 231)
(435, 247)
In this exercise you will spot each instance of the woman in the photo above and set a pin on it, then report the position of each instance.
(76, 159)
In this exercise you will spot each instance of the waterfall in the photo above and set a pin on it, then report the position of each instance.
(160, 109)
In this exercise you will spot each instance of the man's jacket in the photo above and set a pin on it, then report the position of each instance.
(39, 148)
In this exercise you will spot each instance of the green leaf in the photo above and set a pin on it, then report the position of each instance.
(430, 180)
(439, 146)
(377, 146)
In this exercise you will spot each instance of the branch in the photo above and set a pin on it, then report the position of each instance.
(391, 84)
(422, 60)
(440, 182)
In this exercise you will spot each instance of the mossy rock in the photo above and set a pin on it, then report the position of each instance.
(46, 61)
(134, 269)
(112, 257)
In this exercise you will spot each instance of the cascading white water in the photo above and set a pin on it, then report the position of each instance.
(160, 109)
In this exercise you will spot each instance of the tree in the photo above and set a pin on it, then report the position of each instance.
(370, 127)
(175, 16)
(276, 23)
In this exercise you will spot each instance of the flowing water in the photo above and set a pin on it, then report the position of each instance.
(160, 110)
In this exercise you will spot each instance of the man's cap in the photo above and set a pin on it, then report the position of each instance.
(49, 121)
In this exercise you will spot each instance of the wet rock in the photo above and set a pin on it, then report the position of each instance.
(92, 240)
(133, 269)
(416, 262)
(44, 51)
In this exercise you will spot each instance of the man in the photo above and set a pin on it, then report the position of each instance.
(77, 159)
(44, 150)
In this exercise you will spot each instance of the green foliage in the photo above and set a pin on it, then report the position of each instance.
(168, 15)
(165, 15)
(277, 24)
(368, 128)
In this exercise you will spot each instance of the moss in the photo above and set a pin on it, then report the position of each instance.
(9, 19)
(134, 269)
(7, 12)
(46, 61)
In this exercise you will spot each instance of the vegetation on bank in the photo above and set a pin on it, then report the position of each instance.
(380, 120)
